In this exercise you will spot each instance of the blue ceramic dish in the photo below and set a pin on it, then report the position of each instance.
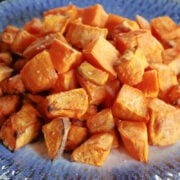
(31, 162)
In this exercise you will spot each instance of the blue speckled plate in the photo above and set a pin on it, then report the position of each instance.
(31, 162)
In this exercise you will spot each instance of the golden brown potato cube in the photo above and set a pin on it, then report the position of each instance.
(92, 73)
(6, 58)
(21, 128)
(5, 71)
(102, 121)
(39, 74)
(8, 105)
(135, 138)
(164, 125)
(55, 134)
(72, 103)
(95, 150)
(76, 136)
(13, 85)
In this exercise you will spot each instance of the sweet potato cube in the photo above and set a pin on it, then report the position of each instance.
(79, 35)
(75, 137)
(131, 66)
(102, 54)
(166, 77)
(66, 81)
(173, 95)
(5, 71)
(118, 24)
(12, 85)
(171, 57)
(102, 121)
(34, 26)
(6, 58)
(21, 128)
(72, 103)
(9, 34)
(92, 73)
(95, 150)
(94, 15)
(21, 41)
(164, 126)
(38, 74)
(142, 38)
(54, 23)
(92, 109)
(135, 139)
(165, 29)
(41, 43)
(96, 93)
(149, 84)
(64, 57)
(8, 105)
(55, 135)
(130, 105)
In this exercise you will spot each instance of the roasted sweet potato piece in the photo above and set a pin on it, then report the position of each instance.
(96, 93)
(117, 24)
(9, 34)
(166, 77)
(94, 15)
(8, 105)
(102, 54)
(41, 43)
(55, 134)
(164, 126)
(21, 41)
(135, 139)
(102, 121)
(95, 150)
(6, 58)
(72, 103)
(33, 26)
(92, 73)
(92, 109)
(130, 104)
(64, 57)
(142, 22)
(12, 85)
(173, 95)
(79, 35)
(149, 84)
(5, 71)
(76, 136)
(131, 66)
(66, 81)
(21, 128)
(39, 74)
(165, 29)
(142, 38)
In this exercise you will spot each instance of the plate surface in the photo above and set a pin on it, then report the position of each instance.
(31, 162)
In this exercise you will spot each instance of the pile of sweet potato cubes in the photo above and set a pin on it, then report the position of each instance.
(87, 80)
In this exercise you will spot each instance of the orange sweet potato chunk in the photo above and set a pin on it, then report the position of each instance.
(102, 121)
(39, 74)
(130, 104)
(165, 29)
(164, 126)
(102, 54)
(131, 66)
(92, 73)
(94, 15)
(135, 139)
(64, 57)
(142, 38)
(72, 103)
(166, 77)
(95, 150)
(149, 84)
(66, 81)
(79, 34)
